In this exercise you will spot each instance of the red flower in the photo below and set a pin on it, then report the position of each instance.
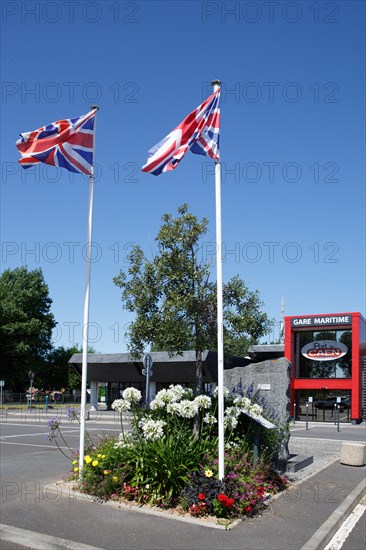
(230, 502)
(201, 496)
(225, 500)
(248, 509)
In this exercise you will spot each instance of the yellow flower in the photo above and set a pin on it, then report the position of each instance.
(95, 462)
(106, 472)
(74, 461)
(208, 473)
(88, 459)
(99, 456)
(76, 469)
(115, 478)
(103, 456)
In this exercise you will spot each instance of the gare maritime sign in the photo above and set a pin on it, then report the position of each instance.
(321, 321)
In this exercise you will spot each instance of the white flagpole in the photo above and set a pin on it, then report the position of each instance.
(84, 371)
(220, 329)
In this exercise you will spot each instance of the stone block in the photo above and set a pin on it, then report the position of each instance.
(353, 454)
(298, 462)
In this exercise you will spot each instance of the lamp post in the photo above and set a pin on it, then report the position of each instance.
(31, 376)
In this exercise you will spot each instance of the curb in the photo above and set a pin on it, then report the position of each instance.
(325, 533)
(215, 523)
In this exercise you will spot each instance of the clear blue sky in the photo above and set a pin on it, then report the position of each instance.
(292, 146)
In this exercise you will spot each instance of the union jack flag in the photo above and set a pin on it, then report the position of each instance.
(66, 143)
(199, 132)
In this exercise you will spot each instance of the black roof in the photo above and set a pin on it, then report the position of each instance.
(167, 368)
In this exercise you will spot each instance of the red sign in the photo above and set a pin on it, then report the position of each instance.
(324, 350)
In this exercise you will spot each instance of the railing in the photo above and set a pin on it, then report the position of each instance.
(9, 399)
(22, 412)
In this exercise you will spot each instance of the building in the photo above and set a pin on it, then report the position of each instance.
(117, 371)
(328, 354)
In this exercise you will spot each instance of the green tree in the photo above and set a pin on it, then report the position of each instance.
(55, 372)
(26, 325)
(174, 300)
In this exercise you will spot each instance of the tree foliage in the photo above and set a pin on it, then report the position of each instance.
(55, 372)
(174, 301)
(26, 324)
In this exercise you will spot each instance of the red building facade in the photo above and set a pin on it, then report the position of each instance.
(327, 353)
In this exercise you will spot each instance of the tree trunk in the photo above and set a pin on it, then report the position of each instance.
(199, 384)
(196, 421)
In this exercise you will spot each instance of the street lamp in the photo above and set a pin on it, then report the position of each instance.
(31, 376)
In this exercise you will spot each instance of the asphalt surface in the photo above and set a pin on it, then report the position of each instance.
(37, 512)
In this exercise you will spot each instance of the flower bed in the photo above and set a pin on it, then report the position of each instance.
(164, 463)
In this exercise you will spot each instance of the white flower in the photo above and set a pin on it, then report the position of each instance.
(152, 429)
(230, 422)
(132, 394)
(226, 392)
(124, 440)
(188, 393)
(187, 409)
(246, 405)
(256, 409)
(172, 395)
(231, 417)
(203, 401)
(121, 405)
(176, 393)
(162, 397)
(157, 404)
(173, 408)
(242, 402)
(232, 445)
(232, 411)
(209, 419)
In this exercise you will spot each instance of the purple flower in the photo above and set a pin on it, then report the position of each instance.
(72, 414)
(54, 426)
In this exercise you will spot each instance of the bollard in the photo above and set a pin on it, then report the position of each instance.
(307, 416)
(338, 407)
(294, 413)
(352, 454)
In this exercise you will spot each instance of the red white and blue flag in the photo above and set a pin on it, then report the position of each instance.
(66, 143)
(199, 132)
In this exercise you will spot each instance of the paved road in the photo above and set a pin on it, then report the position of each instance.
(31, 465)
(356, 539)
(329, 431)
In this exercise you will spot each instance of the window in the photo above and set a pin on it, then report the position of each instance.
(335, 368)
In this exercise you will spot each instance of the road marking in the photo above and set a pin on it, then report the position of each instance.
(32, 445)
(339, 538)
(330, 527)
(40, 541)
(31, 435)
(101, 427)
